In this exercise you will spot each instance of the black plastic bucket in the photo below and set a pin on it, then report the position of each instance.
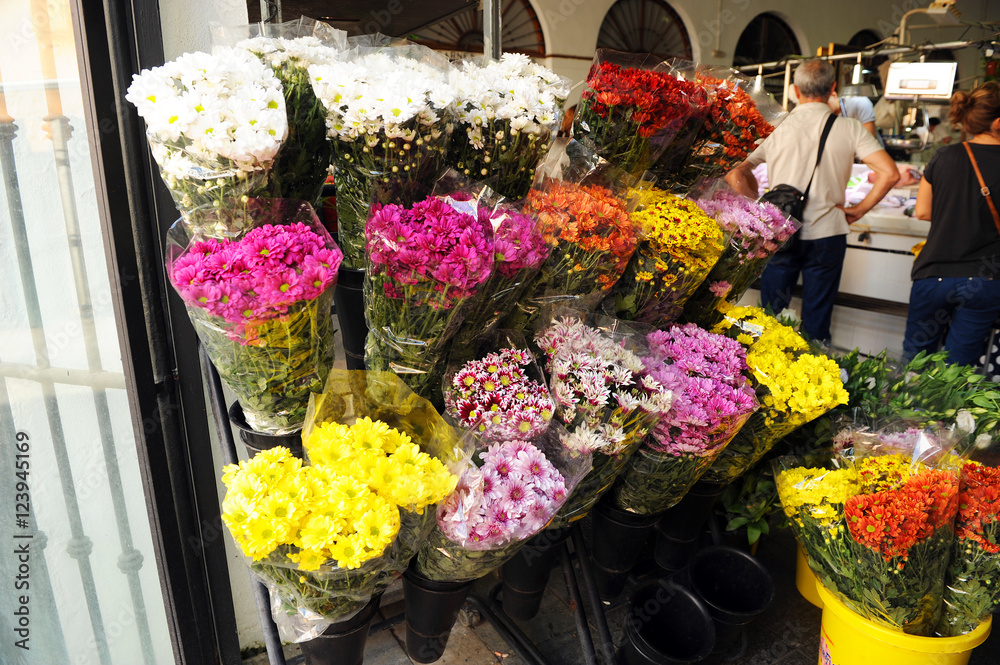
(687, 519)
(672, 554)
(342, 643)
(349, 299)
(527, 573)
(431, 610)
(666, 624)
(609, 582)
(257, 441)
(619, 536)
(734, 586)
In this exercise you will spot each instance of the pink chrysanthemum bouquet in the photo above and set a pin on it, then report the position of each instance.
(261, 307)
(426, 263)
(712, 399)
(604, 396)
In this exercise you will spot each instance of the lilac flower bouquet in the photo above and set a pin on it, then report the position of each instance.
(426, 264)
(511, 493)
(604, 396)
(713, 398)
(756, 231)
(261, 307)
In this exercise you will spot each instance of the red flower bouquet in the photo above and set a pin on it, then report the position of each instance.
(634, 107)
(971, 590)
(736, 123)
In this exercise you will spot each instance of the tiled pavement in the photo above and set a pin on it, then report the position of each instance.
(785, 634)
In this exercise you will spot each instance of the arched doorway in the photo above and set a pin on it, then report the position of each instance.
(520, 30)
(767, 38)
(645, 26)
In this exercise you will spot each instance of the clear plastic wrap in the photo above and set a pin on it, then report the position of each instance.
(971, 592)
(290, 48)
(509, 494)
(633, 108)
(215, 124)
(495, 387)
(738, 120)
(712, 400)
(390, 114)
(793, 384)
(879, 531)
(508, 110)
(327, 537)
(756, 230)
(603, 394)
(419, 290)
(260, 303)
(582, 203)
(679, 246)
(701, 95)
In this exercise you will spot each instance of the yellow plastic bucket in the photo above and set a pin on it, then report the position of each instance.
(805, 578)
(849, 639)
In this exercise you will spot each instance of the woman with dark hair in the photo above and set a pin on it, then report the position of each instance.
(955, 297)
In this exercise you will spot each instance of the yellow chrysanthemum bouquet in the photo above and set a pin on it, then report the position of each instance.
(329, 535)
(793, 385)
(679, 246)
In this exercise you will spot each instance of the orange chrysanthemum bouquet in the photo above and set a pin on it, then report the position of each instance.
(581, 204)
(879, 529)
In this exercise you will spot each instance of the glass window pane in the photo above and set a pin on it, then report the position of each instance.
(78, 576)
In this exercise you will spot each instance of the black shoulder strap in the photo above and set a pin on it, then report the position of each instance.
(819, 153)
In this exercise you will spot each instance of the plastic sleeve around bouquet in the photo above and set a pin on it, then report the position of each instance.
(971, 592)
(272, 358)
(353, 394)
(196, 114)
(756, 231)
(303, 163)
(679, 246)
(739, 118)
(632, 109)
(700, 94)
(654, 481)
(582, 203)
(417, 294)
(613, 427)
(378, 160)
(487, 520)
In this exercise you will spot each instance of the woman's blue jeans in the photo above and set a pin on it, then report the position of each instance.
(956, 311)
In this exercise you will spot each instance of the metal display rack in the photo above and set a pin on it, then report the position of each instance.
(489, 607)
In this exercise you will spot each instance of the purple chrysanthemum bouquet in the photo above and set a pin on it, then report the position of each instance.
(261, 307)
(756, 230)
(519, 252)
(604, 396)
(426, 264)
(509, 493)
(712, 399)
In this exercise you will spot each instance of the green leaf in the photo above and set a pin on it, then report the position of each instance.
(753, 533)
(736, 523)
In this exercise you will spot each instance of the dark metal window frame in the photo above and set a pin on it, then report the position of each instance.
(116, 38)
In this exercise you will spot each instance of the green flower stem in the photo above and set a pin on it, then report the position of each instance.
(654, 481)
(379, 169)
(273, 376)
(442, 560)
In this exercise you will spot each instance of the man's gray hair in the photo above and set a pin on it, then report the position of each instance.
(814, 78)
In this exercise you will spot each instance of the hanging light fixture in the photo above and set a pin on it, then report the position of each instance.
(858, 88)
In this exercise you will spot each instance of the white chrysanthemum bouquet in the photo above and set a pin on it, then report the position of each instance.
(390, 114)
(508, 110)
(304, 162)
(215, 123)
